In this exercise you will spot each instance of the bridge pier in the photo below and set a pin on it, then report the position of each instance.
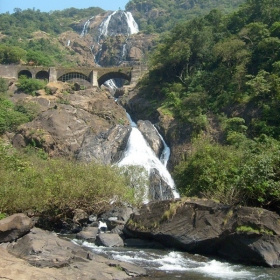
(52, 74)
(93, 78)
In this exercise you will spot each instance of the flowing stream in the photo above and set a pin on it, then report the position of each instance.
(172, 265)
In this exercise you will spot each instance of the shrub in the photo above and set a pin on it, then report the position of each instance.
(57, 186)
(29, 86)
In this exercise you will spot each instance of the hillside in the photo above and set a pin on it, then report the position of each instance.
(43, 38)
(160, 15)
(214, 88)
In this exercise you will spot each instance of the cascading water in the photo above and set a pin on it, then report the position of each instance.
(138, 152)
(85, 28)
(103, 28)
(106, 29)
(132, 25)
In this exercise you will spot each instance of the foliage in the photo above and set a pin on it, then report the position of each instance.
(11, 54)
(29, 86)
(57, 187)
(29, 36)
(12, 115)
(3, 85)
(160, 15)
(247, 174)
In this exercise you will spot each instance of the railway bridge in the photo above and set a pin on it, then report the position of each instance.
(95, 76)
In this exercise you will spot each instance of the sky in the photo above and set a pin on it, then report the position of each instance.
(51, 5)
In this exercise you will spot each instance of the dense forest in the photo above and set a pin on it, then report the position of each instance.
(19, 40)
(222, 72)
(160, 15)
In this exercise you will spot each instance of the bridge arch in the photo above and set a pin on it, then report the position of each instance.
(73, 76)
(26, 73)
(113, 75)
(42, 75)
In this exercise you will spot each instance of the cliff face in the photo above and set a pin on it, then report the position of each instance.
(68, 121)
(109, 38)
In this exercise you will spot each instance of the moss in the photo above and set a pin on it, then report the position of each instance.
(228, 216)
(249, 229)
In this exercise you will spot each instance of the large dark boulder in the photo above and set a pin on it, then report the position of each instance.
(242, 234)
(14, 227)
(159, 189)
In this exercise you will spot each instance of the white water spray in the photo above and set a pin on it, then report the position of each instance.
(132, 25)
(85, 28)
(138, 152)
(103, 28)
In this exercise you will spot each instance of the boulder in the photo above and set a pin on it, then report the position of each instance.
(14, 227)
(64, 127)
(159, 189)
(109, 240)
(51, 90)
(130, 269)
(151, 136)
(80, 217)
(43, 255)
(240, 234)
(117, 216)
(89, 234)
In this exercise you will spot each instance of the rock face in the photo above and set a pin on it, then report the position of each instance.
(14, 227)
(159, 189)
(105, 147)
(118, 46)
(88, 124)
(242, 234)
(152, 137)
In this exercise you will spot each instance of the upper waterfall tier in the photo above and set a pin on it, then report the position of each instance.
(118, 22)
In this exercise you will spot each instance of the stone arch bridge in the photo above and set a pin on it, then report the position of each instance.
(95, 76)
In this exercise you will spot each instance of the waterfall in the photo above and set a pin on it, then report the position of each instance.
(85, 28)
(103, 28)
(138, 152)
(132, 25)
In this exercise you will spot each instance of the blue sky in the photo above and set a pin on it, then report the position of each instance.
(51, 5)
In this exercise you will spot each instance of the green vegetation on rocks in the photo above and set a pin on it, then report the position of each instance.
(56, 187)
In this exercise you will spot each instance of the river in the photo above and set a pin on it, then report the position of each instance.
(173, 265)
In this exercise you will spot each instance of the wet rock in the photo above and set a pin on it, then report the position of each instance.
(152, 137)
(89, 234)
(43, 255)
(141, 243)
(130, 269)
(14, 227)
(242, 234)
(159, 189)
(109, 240)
